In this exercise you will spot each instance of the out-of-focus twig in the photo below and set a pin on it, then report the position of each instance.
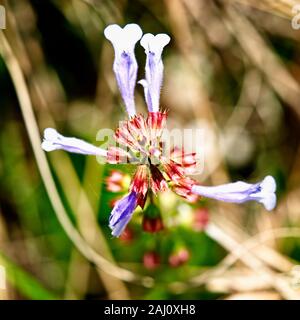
(277, 281)
(252, 244)
(260, 54)
(78, 276)
(282, 8)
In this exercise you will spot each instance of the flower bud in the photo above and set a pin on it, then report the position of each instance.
(179, 257)
(151, 260)
(127, 235)
(152, 221)
(201, 219)
(152, 225)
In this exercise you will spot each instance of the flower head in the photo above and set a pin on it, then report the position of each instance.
(142, 138)
(139, 141)
(139, 138)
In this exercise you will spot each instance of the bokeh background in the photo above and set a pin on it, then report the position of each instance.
(232, 68)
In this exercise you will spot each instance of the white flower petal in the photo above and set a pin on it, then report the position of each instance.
(51, 134)
(155, 44)
(123, 39)
(269, 201)
(55, 141)
(268, 184)
(133, 32)
(112, 32)
(48, 146)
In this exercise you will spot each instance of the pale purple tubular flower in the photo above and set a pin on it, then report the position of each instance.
(122, 213)
(125, 65)
(55, 141)
(238, 192)
(153, 46)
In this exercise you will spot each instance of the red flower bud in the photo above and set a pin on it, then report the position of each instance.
(151, 260)
(179, 258)
(127, 235)
(201, 219)
(152, 225)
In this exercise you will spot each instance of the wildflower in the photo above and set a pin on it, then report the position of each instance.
(139, 140)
